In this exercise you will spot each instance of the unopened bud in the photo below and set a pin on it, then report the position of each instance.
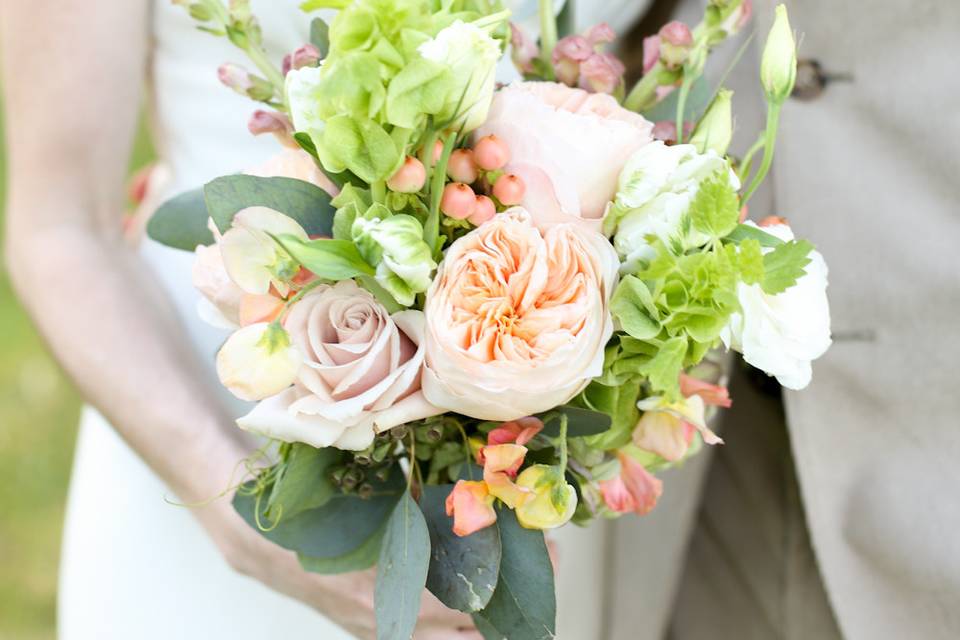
(306, 56)
(567, 56)
(651, 52)
(244, 82)
(365, 490)
(600, 34)
(778, 66)
(523, 50)
(715, 129)
(676, 41)
(601, 73)
(269, 122)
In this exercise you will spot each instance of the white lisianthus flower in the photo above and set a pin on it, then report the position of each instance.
(252, 258)
(655, 191)
(258, 361)
(782, 334)
(395, 246)
(471, 55)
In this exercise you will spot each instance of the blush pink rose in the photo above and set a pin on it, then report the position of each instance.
(567, 145)
(360, 374)
(517, 319)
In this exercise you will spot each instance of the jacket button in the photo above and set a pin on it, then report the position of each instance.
(810, 80)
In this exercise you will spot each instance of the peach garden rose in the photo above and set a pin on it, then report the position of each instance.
(360, 373)
(517, 318)
(568, 146)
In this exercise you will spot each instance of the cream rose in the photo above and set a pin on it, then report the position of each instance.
(567, 145)
(782, 334)
(360, 374)
(517, 319)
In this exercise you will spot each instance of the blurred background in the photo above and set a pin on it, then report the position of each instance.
(38, 424)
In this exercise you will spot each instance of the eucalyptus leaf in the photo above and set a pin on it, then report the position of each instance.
(580, 422)
(320, 36)
(181, 222)
(463, 570)
(306, 203)
(337, 528)
(524, 605)
(304, 484)
(401, 571)
(363, 557)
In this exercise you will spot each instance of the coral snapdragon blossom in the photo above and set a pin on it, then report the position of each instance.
(635, 490)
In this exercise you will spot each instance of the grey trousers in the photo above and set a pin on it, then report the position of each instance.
(750, 571)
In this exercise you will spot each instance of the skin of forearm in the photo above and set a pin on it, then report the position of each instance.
(115, 334)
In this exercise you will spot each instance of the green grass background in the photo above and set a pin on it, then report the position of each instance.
(38, 419)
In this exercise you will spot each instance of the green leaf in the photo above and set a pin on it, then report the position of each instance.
(748, 232)
(363, 557)
(716, 207)
(320, 36)
(329, 259)
(580, 422)
(663, 370)
(306, 203)
(632, 304)
(303, 139)
(750, 261)
(785, 265)
(524, 605)
(420, 88)
(619, 402)
(181, 222)
(463, 571)
(314, 5)
(361, 146)
(337, 528)
(401, 571)
(304, 484)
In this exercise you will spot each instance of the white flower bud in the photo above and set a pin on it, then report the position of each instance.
(778, 67)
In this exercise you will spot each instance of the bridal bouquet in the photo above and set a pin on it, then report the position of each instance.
(469, 313)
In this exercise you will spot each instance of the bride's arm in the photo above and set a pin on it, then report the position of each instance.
(73, 74)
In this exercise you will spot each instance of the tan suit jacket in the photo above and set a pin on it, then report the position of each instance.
(869, 170)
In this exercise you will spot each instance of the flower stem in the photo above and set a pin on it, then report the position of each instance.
(548, 32)
(682, 104)
(563, 442)
(747, 162)
(644, 93)
(770, 141)
(259, 58)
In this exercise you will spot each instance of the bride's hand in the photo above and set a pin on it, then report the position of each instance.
(346, 599)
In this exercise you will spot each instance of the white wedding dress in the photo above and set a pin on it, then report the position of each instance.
(134, 566)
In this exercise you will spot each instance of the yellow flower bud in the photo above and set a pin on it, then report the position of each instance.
(258, 361)
(778, 67)
(552, 501)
